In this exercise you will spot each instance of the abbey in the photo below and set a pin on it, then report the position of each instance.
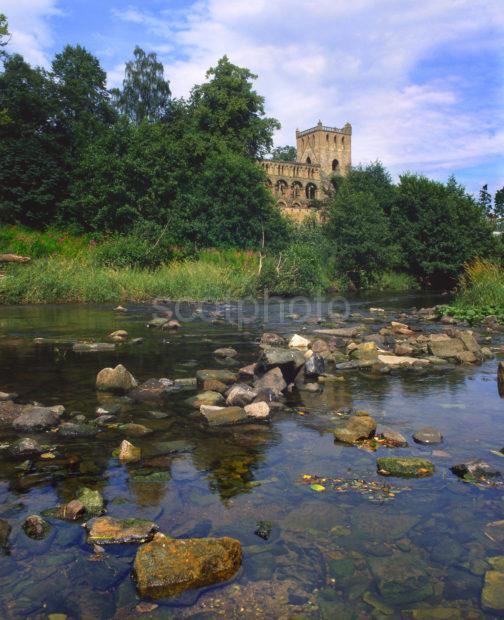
(321, 153)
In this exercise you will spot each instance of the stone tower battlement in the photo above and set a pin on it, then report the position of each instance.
(321, 152)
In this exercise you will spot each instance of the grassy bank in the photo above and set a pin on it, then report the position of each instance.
(480, 292)
(85, 269)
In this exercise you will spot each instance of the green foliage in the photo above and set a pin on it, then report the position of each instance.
(284, 153)
(438, 227)
(485, 200)
(26, 242)
(360, 231)
(131, 251)
(396, 281)
(228, 110)
(499, 202)
(4, 31)
(373, 179)
(145, 94)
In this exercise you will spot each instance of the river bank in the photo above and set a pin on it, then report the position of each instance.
(325, 527)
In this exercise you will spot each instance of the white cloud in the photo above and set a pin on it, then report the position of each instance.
(28, 24)
(341, 61)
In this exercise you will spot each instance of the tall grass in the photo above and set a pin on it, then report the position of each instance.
(38, 244)
(482, 284)
(79, 280)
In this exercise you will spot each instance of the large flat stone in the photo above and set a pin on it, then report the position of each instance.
(109, 531)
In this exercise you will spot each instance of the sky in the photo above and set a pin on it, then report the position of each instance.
(421, 81)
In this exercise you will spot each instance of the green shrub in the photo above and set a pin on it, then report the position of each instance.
(131, 251)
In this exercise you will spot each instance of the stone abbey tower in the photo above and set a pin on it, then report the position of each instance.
(321, 152)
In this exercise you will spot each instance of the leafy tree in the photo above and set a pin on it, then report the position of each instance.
(485, 199)
(439, 227)
(227, 110)
(373, 178)
(32, 169)
(361, 234)
(146, 93)
(284, 153)
(4, 31)
(499, 202)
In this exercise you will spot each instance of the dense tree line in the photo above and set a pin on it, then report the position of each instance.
(76, 155)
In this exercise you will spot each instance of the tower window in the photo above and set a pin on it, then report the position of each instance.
(335, 165)
(308, 161)
(311, 191)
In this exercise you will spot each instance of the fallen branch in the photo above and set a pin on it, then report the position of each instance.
(14, 258)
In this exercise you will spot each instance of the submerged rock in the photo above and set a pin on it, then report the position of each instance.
(135, 430)
(5, 530)
(272, 340)
(128, 453)
(110, 531)
(165, 567)
(36, 527)
(404, 467)
(73, 429)
(428, 436)
(220, 416)
(92, 347)
(225, 376)
(475, 470)
(225, 352)
(356, 428)
(36, 419)
(289, 360)
(402, 578)
(116, 379)
(154, 389)
(492, 596)
(25, 447)
(393, 438)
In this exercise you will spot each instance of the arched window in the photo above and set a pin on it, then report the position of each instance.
(335, 165)
(308, 161)
(297, 188)
(281, 187)
(335, 140)
(327, 137)
(311, 191)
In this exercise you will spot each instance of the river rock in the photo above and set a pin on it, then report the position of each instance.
(401, 328)
(128, 453)
(299, 342)
(402, 578)
(314, 366)
(272, 380)
(165, 567)
(401, 360)
(393, 438)
(247, 372)
(36, 419)
(403, 349)
(466, 357)
(492, 596)
(74, 429)
(289, 360)
(476, 469)
(272, 340)
(428, 436)
(240, 395)
(495, 531)
(258, 411)
(119, 335)
(356, 428)
(154, 389)
(25, 447)
(225, 376)
(212, 385)
(225, 352)
(321, 347)
(207, 398)
(132, 429)
(222, 416)
(441, 345)
(8, 396)
(159, 321)
(364, 351)
(91, 500)
(72, 511)
(36, 527)
(92, 347)
(342, 332)
(110, 531)
(5, 530)
(116, 379)
(404, 467)
(500, 379)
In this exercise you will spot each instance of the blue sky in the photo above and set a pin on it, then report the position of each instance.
(421, 82)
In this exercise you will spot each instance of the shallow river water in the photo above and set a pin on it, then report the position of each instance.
(419, 551)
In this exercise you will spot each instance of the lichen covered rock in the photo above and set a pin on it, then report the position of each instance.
(404, 467)
(166, 567)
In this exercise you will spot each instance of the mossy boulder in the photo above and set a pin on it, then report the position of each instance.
(225, 376)
(356, 428)
(166, 567)
(492, 596)
(405, 467)
(91, 500)
(116, 379)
